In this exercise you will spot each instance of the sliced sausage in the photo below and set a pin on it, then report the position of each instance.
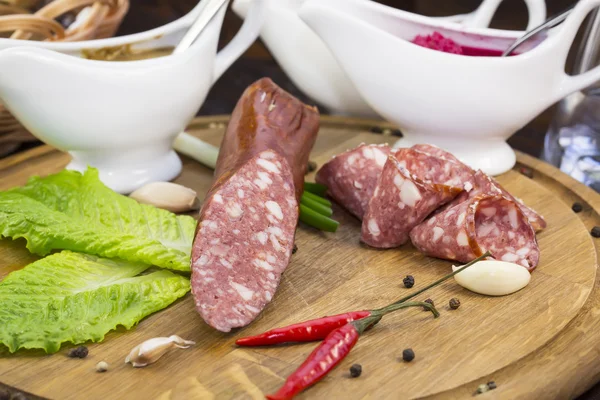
(406, 193)
(479, 224)
(351, 177)
(248, 220)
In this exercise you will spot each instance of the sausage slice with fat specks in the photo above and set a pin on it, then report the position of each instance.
(411, 186)
(351, 177)
(248, 220)
(486, 222)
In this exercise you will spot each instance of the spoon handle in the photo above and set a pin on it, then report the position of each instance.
(551, 23)
(206, 13)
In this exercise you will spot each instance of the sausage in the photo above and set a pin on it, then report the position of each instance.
(479, 224)
(484, 184)
(351, 177)
(248, 220)
(411, 186)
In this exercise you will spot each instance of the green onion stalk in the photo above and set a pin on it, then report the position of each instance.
(314, 209)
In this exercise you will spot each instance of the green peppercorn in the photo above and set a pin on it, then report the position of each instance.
(355, 370)
(408, 355)
(409, 281)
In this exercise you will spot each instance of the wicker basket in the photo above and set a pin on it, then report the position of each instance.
(19, 19)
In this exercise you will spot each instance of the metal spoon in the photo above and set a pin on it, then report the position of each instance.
(206, 13)
(551, 23)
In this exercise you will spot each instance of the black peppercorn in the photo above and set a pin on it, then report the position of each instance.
(526, 171)
(409, 281)
(312, 166)
(430, 302)
(78, 352)
(577, 207)
(454, 303)
(397, 132)
(491, 385)
(355, 370)
(596, 231)
(376, 129)
(4, 394)
(294, 249)
(408, 355)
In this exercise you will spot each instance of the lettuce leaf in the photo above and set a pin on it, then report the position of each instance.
(75, 211)
(73, 297)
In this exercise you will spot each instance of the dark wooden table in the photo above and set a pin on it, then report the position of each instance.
(257, 63)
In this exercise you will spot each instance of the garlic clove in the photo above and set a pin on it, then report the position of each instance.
(493, 278)
(151, 350)
(168, 196)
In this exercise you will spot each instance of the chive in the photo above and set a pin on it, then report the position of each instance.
(316, 198)
(316, 220)
(315, 188)
(316, 206)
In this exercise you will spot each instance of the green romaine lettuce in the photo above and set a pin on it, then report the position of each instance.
(75, 211)
(73, 297)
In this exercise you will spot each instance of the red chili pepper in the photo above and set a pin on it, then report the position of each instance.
(318, 329)
(323, 359)
(308, 331)
(334, 349)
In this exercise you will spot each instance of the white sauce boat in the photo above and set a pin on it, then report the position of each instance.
(312, 68)
(164, 36)
(467, 105)
(120, 117)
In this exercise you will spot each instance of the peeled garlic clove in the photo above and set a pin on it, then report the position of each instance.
(168, 196)
(153, 349)
(493, 278)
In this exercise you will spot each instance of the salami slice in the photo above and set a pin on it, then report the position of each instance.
(405, 195)
(471, 228)
(351, 177)
(484, 184)
(244, 242)
(439, 153)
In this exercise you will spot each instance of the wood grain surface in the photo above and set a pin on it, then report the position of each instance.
(541, 342)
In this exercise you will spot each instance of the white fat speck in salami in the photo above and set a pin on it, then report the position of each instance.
(374, 228)
(406, 201)
(263, 264)
(263, 176)
(274, 209)
(234, 210)
(218, 198)
(243, 269)
(437, 233)
(268, 165)
(506, 232)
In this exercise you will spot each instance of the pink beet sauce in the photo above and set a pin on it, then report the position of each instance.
(437, 41)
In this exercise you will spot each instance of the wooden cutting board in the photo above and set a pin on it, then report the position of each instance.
(541, 342)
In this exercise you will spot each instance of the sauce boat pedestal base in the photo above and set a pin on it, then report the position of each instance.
(125, 172)
(493, 156)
